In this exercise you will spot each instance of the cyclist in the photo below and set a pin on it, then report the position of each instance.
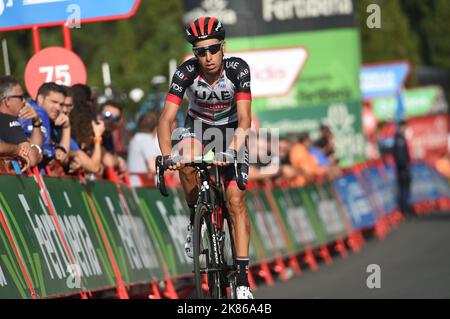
(218, 90)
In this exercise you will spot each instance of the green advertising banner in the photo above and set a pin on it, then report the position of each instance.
(267, 227)
(295, 218)
(326, 62)
(12, 281)
(36, 236)
(417, 102)
(135, 208)
(264, 249)
(280, 218)
(166, 218)
(78, 225)
(309, 204)
(344, 120)
(328, 212)
(126, 232)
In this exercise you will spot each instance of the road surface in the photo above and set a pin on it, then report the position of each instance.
(414, 262)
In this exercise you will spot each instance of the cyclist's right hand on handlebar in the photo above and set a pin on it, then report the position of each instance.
(224, 158)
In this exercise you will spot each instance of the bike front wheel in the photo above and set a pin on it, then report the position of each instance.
(207, 267)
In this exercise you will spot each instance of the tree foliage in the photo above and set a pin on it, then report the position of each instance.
(415, 30)
(136, 49)
(141, 47)
(395, 40)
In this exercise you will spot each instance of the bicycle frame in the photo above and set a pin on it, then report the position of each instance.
(211, 196)
(206, 188)
(217, 207)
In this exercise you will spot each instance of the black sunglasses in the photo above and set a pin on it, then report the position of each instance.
(109, 116)
(213, 49)
(22, 97)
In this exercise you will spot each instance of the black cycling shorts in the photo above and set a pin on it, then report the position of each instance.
(213, 139)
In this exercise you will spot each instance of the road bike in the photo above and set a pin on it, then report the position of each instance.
(214, 251)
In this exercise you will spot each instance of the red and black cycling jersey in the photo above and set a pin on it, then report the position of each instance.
(212, 105)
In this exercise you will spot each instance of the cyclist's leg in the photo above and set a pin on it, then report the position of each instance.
(241, 236)
(237, 209)
(189, 183)
(241, 230)
(240, 221)
(188, 146)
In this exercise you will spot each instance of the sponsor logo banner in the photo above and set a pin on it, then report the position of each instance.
(383, 80)
(417, 102)
(355, 202)
(260, 17)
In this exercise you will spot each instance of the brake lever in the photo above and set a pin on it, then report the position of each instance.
(160, 181)
(239, 180)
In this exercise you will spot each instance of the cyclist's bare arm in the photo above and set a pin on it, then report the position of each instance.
(168, 116)
(166, 119)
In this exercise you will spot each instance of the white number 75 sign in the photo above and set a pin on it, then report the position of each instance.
(54, 64)
(58, 73)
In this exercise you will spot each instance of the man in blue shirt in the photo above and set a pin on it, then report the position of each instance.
(48, 105)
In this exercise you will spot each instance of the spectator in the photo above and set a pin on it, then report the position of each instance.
(304, 162)
(327, 139)
(48, 104)
(385, 138)
(443, 165)
(330, 161)
(292, 138)
(66, 109)
(403, 165)
(284, 146)
(320, 150)
(67, 105)
(267, 159)
(289, 173)
(13, 141)
(83, 97)
(87, 159)
(287, 170)
(82, 129)
(111, 114)
(144, 145)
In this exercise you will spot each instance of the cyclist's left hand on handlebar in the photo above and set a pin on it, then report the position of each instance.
(224, 158)
(176, 166)
(173, 164)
